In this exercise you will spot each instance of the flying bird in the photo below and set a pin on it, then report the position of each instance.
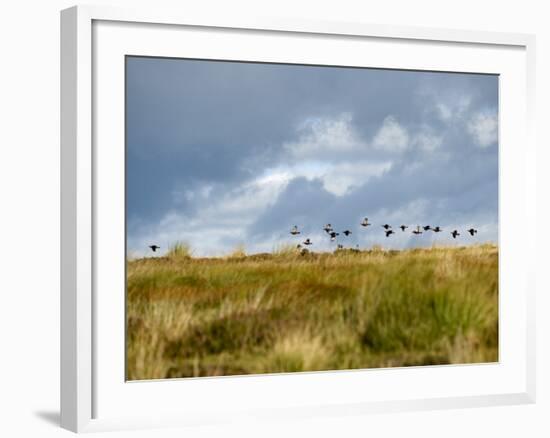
(346, 232)
(386, 226)
(427, 228)
(389, 232)
(327, 228)
(438, 229)
(403, 227)
(307, 242)
(365, 222)
(472, 231)
(455, 233)
(154, 247)
(333, 235)
(294, 230)
(417, 231)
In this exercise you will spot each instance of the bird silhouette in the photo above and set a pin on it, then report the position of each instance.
(388, 232)
(403, 227)
(455, 233)
(386, 226)
(417, 231)
(333, 235)
(327, 228)
(307, 242)
(365, 222)
(427, 228)
(437, 229)
(472, 231)
(346, 232)
(294, 231)
(154, 247)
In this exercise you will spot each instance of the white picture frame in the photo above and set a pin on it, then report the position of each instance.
(94, 396)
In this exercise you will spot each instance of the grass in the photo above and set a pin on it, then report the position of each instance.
(286, 311)
(179, 250)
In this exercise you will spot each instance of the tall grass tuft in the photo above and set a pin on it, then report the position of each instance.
(238, 252)
(179, 250)
(285, 250)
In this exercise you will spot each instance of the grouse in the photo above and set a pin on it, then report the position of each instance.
(307, 242)
(154, 247)
(346, 232)
(386, 226)
(365, 222)
(455, 233)
(472, 231)
(403, 227)
(389, 232)
(438, 229)
(294, 230)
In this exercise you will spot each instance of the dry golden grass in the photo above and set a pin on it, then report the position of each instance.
(285, 312)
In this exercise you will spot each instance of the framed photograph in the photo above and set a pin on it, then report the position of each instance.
(275, 219)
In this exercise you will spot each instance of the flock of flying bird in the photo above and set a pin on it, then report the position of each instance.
(388, 230)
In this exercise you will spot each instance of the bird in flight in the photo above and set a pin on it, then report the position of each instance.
(455, 233)
(437, 229)
(327, 228)
(365, 222)
(472, 231)
(294, 231)
(386, 226)
(333, 235)
(346, 232)
(307, 242)
(427, 228)
(389, 232)
(154, 247)
(403, 227)
(417, 231)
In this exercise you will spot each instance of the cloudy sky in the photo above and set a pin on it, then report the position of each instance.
(222, 154)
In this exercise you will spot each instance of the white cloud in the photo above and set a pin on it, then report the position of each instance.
(338, 178)
(452, 108)
(220, 222)
(444, 112)
(427, 140)
(483, 127)
(322, 151)
(391, 137)
(192, 195)
(319, 136)
(343, 177)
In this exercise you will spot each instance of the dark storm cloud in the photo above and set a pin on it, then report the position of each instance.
(201, 134)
